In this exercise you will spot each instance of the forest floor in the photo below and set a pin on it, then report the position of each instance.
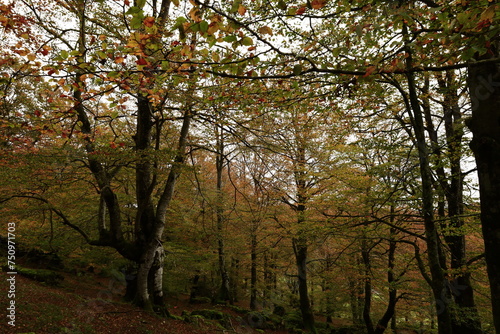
(89, 303)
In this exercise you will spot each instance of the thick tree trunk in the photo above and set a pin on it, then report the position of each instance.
(484, 90)
(300, 249)
(156, 276)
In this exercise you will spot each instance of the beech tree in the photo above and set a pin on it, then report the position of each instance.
(118, 86)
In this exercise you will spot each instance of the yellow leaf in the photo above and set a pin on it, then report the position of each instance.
(215, 57)
(489, 13)
(31, 57)
(265, 31)
(194, 14)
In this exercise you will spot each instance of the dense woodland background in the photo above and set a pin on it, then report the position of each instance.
(313, 158)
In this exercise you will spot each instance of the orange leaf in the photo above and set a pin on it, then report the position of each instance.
(149, 21)
(242, 10)
(318, 4)
(301, 10)
(369, 71)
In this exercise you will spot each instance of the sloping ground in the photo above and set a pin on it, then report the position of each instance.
(84, 305)
(90, 304)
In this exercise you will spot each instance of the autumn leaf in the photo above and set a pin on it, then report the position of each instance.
(149, 21)
(242, 10)
(141, 61)
(265, 31)
(318, 4)
(195, 14)
(369, 71)
(301, 10)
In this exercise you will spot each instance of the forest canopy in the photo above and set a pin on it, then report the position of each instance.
(337, 158)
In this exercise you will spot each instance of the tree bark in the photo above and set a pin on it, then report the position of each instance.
(300, 249)
(484, 91)
(253, 270)
(225, 287)
(434, 251)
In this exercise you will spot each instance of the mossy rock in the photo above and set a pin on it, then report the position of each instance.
(194, 319)
(238, 309)
(209, 314)
(256, 320)
(41, 275)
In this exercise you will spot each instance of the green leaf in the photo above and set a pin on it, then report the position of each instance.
(230, 38)
(64, 54)
(195, 27)
(179, 22)
(235, 6)
(136, 22)
(133, 10)
(203, 26)
(246, 41)
(282, 5)
(141, 3)
(297, 69)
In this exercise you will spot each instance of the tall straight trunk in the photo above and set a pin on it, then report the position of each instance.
(300, 240)
(465, 318)
(300, 249)
(253, 270)
(355, 293)
(484, 90)
(391, 280)
(367, 279)
(225, 288)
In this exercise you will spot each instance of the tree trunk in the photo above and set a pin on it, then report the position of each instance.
(253, 271)
(484, 90)
(391, 280)
(434, 251)
(156, 276)
(465, 318)
(300, 249)
(365, 256)
(225, 288)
